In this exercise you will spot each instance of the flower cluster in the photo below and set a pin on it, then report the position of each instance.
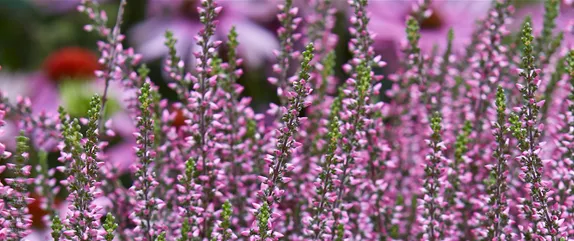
(472, 143)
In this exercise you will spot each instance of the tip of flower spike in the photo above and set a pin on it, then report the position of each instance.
(71, 62)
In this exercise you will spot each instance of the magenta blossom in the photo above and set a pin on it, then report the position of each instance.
(181, 17)
(388, 21)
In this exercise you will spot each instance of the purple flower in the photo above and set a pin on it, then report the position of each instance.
(182, 18)
(388, 21)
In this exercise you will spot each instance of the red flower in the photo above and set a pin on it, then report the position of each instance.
(71, 62)
(179, 119)
(35, 209)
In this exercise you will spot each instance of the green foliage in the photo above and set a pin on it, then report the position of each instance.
(436, 125)
(462, 140)
(190, 168)
(413, 34)
(161, 237)
(77, 95)
(92, 132)
(262, 220)
(185, 229)
(516, 128)
(57, 228)
(110, 226)
(340, 232)
(551, 11)
(307, 57)
(226, 220)
(170, 43)
(570, 65)
(527, 38)
(22, 148)
(232, 43)
(500, 102)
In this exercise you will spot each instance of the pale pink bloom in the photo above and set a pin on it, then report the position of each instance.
(388, 21)
(180, 17)
(13, 85)
(45, 234)
(564, 22)
(45, 97)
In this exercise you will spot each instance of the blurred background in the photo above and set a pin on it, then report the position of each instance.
(44, 50)
(45, 39)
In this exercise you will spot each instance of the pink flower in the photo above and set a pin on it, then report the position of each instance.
(181, 17)
(564, 22)
(388, 21)
(45, 90)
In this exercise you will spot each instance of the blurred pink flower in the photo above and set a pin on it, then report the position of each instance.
(45, 96)
(13, 85)
(45, 90)
(388, 22)
(121, 156)
(564, 21)
(181, 17)
(62, 211)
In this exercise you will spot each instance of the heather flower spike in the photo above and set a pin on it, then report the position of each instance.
(413, 37)
(524, 127)
(271, 188)
(187, 187)
(455, 170)
(147, 205)
(498, 214)
(82, 167)
(14, 196)
(288, 37)
(353, 114)
(552, 9)
(325, 188)
(175, 66)
(431, 206)
(113, 56)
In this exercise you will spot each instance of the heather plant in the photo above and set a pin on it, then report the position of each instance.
(472, 143)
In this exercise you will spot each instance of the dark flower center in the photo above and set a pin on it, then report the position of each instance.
(179, 119)
(434, 21)
(189, 7)
(38, 213)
